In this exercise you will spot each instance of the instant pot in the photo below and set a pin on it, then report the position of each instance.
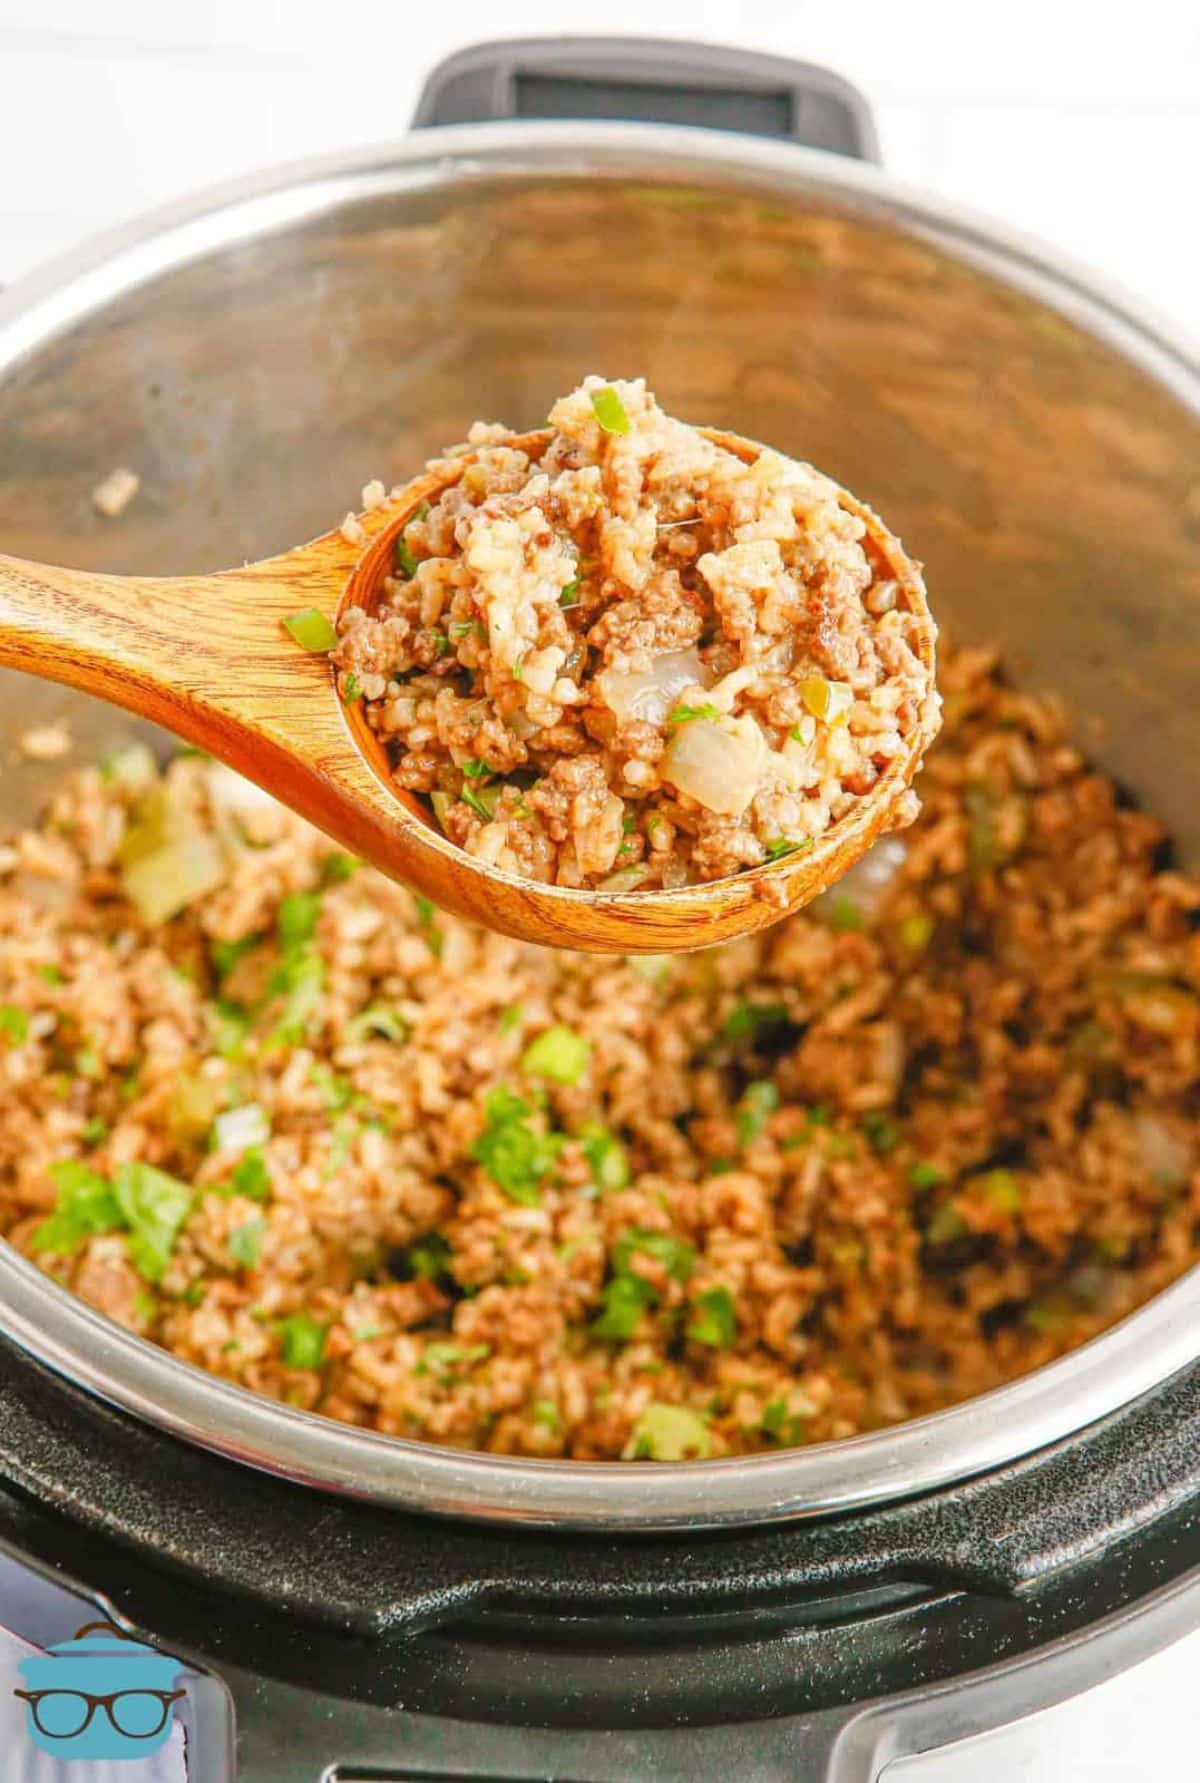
(379, 1609)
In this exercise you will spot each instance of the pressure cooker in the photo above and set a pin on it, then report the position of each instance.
(717, 221)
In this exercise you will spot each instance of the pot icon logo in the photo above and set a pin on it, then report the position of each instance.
(101, 1694)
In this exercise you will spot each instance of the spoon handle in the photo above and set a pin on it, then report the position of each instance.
(208, 658)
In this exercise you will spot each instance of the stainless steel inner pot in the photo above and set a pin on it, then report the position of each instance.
(259, 352)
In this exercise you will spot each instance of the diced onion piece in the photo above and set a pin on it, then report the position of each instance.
(718, 765)
(650, 694)
(164, 881)
(237, 1129)
(867, 884)
(625, 879)
(133, 766)
(231, 791)
(669, 1433)
(829, 701)
(1162, 1154)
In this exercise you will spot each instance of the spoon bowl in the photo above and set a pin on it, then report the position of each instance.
(208, 657)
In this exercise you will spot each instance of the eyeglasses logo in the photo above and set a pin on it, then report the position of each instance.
(101, 1694)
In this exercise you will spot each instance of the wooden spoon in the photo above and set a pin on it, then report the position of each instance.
(208, 658)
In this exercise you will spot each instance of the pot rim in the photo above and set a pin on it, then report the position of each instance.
(980, 1434)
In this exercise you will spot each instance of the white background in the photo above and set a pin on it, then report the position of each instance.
(1080, 122)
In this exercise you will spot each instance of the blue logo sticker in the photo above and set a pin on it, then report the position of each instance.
(101, 1694)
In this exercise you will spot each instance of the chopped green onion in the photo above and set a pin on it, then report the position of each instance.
(226, 954)
(916, 931)
(748, 1020)
(624, 1299)
(405, 562)
(155, 1206)
(86, 1205)
(677, 1257)
(450, 1358)
(251, 1178)
(50, 975)
(301, 979)
(559, 1054)
(94, 1130)
(474, 769)
(946, 1225)
(882, 1134)
(296, 923)
(685, 714)
(716, 1321)
(378, 1022)
(782, 846)
(1002, 1190)
(925, 1176)
(669, 1433)
(545, 1413)
(610, 410)
(780, 1424)
(570, 594)
(240, 1129)
(607, 1157)
(337, 868)
(484, 802)
(429, 1257)
(351, 689)
(14, 1024)
(427, 917)
(312, 630)
(515, 1155)
(511, 1017)
(845, 917)
(759, 1102)
(302, 1341)
(244, 1243)
(828, 700)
